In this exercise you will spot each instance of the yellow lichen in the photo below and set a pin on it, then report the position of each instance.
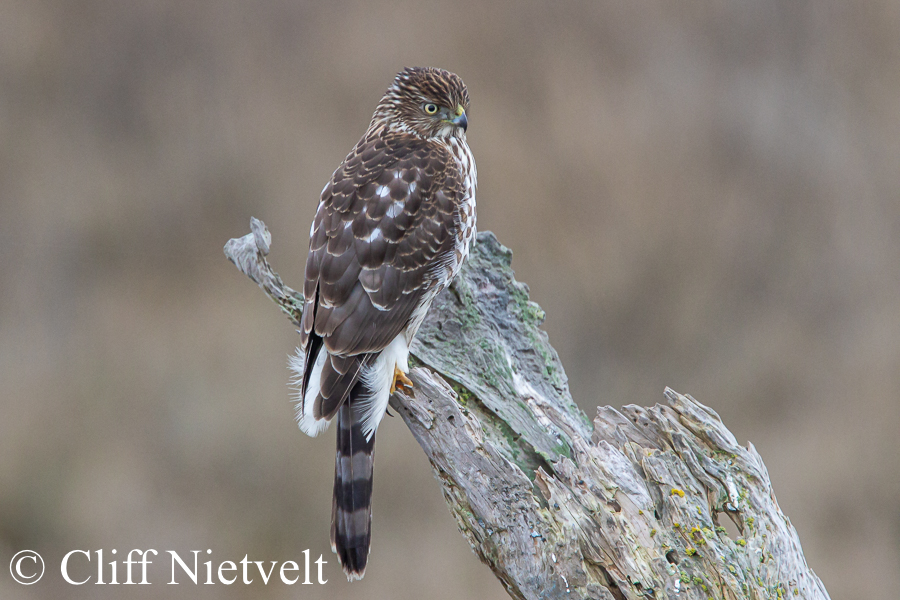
(677, 492)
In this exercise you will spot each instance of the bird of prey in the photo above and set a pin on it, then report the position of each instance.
(392, 229)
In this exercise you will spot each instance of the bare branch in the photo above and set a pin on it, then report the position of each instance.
(249, 253)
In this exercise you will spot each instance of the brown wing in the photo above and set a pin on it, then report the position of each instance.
(387, 220)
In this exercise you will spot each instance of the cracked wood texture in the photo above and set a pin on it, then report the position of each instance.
(628, 506)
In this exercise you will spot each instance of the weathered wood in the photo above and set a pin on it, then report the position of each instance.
(628, 506)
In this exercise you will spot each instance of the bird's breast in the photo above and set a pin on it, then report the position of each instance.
(467, 211)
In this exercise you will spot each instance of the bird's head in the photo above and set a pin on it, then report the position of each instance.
(425, 101)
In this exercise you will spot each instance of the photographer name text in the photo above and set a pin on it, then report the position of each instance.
(189, 568)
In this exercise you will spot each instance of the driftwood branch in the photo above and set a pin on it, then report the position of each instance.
(629, 506)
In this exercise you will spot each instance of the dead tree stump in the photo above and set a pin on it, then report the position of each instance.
(629, 506)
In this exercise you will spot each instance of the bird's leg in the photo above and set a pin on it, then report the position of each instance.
(401, 382)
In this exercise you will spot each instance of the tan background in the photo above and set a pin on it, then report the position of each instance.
(701, 194)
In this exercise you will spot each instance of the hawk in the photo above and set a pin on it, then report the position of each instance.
(391, 231)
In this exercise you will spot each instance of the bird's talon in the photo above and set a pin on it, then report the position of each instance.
(401, 382)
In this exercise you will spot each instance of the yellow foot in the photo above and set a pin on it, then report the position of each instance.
(401, 382)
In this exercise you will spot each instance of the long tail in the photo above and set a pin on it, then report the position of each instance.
(351, 516)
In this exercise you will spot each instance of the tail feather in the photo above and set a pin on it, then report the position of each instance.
(351, 517)
(323, 382)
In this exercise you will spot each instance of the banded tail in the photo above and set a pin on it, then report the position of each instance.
(351, 514)
(354, 391)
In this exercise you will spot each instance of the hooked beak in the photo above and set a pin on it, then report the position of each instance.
(460, 120)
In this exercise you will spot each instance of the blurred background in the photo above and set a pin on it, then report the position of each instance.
(703, 195)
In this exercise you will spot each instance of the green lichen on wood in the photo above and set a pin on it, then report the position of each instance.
(468, 315)
(498, 432)
(484, 333)
(497, 371)
(462, 394)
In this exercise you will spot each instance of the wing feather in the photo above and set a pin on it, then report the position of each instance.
(385, 225)
(386, 217)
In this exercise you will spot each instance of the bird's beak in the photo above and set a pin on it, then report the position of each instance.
(460, 120)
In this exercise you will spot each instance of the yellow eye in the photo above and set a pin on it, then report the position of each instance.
(431, 108)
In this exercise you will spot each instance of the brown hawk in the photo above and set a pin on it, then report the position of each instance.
(392, 229)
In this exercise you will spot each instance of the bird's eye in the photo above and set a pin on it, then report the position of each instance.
(431, 108)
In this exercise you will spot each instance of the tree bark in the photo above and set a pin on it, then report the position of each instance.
(626, 507)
